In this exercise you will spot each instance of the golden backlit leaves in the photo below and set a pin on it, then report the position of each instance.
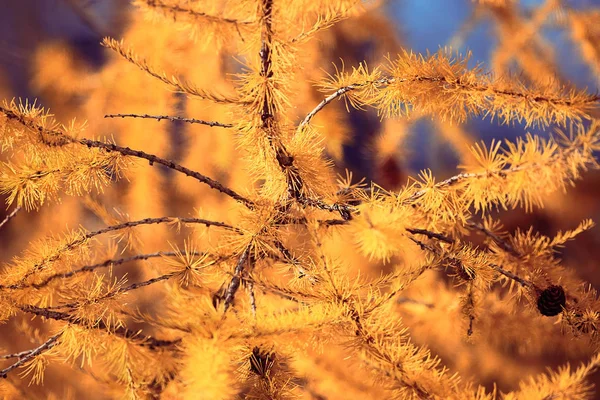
(380, 228)
(208, 369)
(173, 82)
(443, 85)
(52, 162)
(563, 384)
(187, 265)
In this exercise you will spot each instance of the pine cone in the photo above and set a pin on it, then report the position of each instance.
(551, 301)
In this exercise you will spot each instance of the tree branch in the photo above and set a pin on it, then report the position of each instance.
(106, 263)
(10, 216)
(85, 237)
(27, 355)
(234, 284)
(338, 93)
(126, 151)
(252, 296)
(174, 9)
(324, 102)
(497, 268)
(147, 341)
(503, 244)
(431, 235)
(63, 139)
(172, 119)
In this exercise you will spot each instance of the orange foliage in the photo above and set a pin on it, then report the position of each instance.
(198, 237)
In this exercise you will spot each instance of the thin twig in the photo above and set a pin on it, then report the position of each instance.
(147, 341)
(29, 354)
(471, 309)
(453, 180)
(270, 288)
(514, 277)
(251, 294)
(431, 235)
(172, 119)
(85, 237)
(324, 102)
(148, 282)
(497, 268)
(425, 246)
(107, 263)
(10, 216)
(338, 93)
(174, 9)
(169, 164)
(118, 291)
(504, 245)
(408, 300)
(291, 259)
(344, 210)
(234, 284)
(62, 139)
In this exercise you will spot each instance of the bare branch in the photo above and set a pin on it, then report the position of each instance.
(344, 210)
(234, 284)
(172, 119)
(10, 216)
(514, 277)
(169, 164)
(109, 295)
(148, 282)
(504, 245)
(290, 258)
(251, 294)
(497, 268)
(324, 102)
(25, 356)
(338, 93)
(161, 220)
(453, 180)
(431, 235)
(174, 9)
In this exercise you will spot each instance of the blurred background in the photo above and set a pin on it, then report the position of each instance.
(465, 26)
(50, 53)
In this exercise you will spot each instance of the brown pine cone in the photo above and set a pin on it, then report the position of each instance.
(551, 301)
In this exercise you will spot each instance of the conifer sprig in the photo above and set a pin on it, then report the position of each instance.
(60, 137)
(108, 263)
(444, 86)
(141, 340)
(372, 287)
(26, 356)
(80, 238)
(173, 82)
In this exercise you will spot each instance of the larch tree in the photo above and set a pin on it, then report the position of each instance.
(216, 249)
